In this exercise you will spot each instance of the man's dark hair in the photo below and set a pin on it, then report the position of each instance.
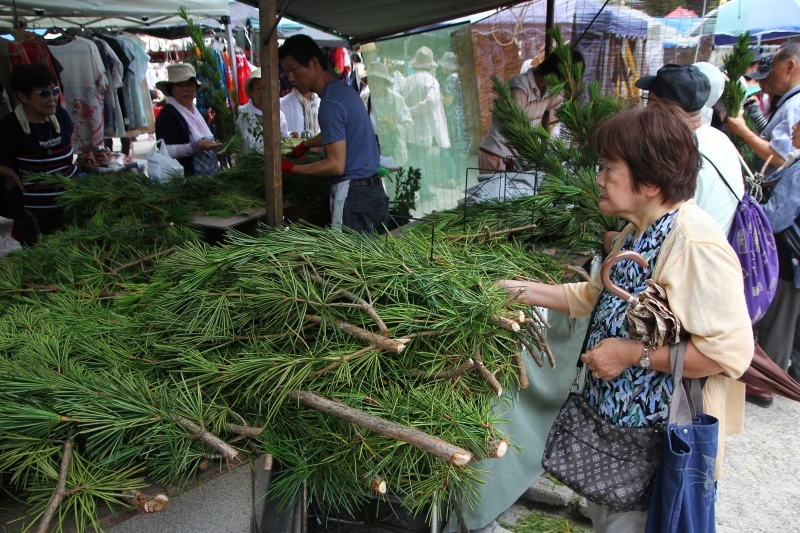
(656, 144)
(551, 62)
(303, 49)
(25, 78)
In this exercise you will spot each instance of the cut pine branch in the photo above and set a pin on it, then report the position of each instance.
(434, 445)
(488, 234)
(60, 493)
(200, 434)
(524, 383)
(245, 431)
(382, 343)
(489, 378)
(504, 323)
(458, 371)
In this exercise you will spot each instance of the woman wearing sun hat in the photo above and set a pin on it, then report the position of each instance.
(248, 122)
(180, 124)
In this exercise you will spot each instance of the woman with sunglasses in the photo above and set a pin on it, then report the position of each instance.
(36, 138)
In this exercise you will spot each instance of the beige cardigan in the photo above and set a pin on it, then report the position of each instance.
(703, 279)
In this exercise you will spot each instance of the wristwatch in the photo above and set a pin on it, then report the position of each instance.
(644, 362)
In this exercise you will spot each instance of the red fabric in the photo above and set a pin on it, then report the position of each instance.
(17, 54)
(286, 166)
(243, 72)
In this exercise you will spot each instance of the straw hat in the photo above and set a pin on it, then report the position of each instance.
(248, 84)
(423, 59)
(176, 73)
(379, 70)
(448, 61)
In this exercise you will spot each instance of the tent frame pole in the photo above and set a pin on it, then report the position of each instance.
(548, 25)
(232, 53)
(273, 184)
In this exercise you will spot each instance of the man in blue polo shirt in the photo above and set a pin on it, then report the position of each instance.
(352, 159)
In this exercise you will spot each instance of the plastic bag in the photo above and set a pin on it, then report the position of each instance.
(162, 167)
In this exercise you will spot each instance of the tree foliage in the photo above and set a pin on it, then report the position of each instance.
(566, 207)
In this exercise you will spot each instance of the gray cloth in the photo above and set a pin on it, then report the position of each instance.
(779, 331)
(530, 418)
(604, 521)
(783, 207)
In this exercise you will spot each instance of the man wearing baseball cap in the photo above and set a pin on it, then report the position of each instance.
(778, 75)
(690, 86)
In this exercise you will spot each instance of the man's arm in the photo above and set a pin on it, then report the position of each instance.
(738, 126)
(330, 167)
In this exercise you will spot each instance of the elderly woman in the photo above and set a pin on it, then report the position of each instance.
(35, 139)
(650, 165)
(182, 126)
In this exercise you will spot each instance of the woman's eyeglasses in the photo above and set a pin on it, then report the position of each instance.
(44, 94)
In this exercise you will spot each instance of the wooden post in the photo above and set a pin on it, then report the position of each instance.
(273, 185)
(548, 25)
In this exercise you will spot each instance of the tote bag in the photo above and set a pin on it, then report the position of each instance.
(684, 489)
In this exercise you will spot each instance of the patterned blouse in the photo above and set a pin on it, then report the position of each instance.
(638, 396)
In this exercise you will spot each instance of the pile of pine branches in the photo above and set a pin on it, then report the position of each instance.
(129, 350)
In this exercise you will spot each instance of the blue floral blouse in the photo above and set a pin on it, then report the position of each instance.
(637, 397)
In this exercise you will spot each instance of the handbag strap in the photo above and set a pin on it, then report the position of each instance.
(684, 406)
(728, 185)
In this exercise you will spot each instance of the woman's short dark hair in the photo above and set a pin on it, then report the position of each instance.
(302, 48)
(658, 146)
(25, 78)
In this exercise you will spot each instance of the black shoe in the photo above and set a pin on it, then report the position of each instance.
(758, 396)
(794, 372)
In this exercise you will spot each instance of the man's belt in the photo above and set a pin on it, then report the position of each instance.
(373, 181)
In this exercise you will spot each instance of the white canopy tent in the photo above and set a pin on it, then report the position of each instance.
(104, 13)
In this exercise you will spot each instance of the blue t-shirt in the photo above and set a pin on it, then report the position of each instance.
(343, 117)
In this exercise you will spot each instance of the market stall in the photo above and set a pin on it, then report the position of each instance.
(197, 350)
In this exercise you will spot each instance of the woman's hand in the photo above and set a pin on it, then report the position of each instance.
(206, 144)
(610, 357)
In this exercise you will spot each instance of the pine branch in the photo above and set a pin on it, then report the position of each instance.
(736, 64)
(200, 434)
(382, 343)
(60, 492)
(433, 445)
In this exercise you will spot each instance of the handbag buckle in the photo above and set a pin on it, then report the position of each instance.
(574, 386)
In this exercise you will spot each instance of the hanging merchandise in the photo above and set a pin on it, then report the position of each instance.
(242, 72)
(114, 124)
(13, 54)
(84, 80)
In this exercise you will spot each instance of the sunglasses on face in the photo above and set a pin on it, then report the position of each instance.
(44, 94)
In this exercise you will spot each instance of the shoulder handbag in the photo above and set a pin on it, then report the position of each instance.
(612, 466)
(684, 489)
(754, 244)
